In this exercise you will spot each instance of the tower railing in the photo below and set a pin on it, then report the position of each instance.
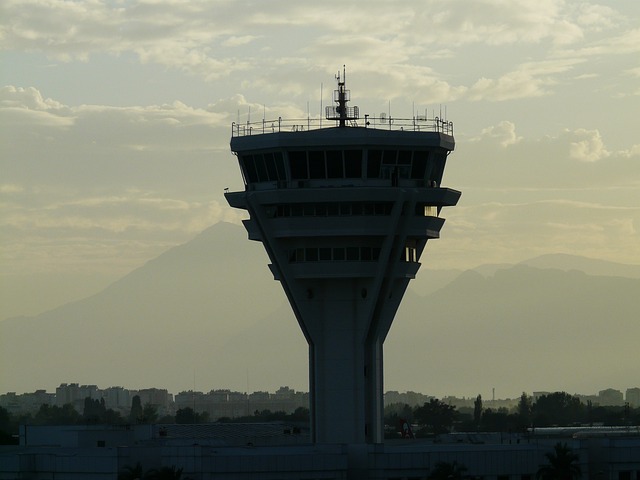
(382, 122)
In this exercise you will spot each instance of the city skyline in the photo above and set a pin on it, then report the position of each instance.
(285, 390)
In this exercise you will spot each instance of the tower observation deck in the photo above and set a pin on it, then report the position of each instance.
(344, 211)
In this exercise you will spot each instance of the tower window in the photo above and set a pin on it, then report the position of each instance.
(270, 163)
(249, 167)
(374, 160)
(335, 167)
(261, 169)
(298, 165)
(335, 254)
(419, 166)
(353, 163)
(282, 174)
(316, 164)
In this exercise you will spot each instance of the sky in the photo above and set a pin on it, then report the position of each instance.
(115, 118)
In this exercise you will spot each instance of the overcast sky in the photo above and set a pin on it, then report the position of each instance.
(115, 120)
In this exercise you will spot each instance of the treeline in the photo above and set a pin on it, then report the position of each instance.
(96, 413)
(433, 417)
(555, 409)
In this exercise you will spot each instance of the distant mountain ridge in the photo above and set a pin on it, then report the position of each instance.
(590, 266)
(209, 314)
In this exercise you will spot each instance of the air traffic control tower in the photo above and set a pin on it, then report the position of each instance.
(344, 210)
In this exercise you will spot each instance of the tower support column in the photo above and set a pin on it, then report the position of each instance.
(345, 365)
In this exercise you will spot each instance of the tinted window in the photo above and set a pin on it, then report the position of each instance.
(250, 168)
(404, 157)
(419, 166)
(335, 168)
(271, 166)
(316, 165)
(373, 163)
(298, 165)
(353, 163)
(389, 157)
(260, 168)
(282, 175)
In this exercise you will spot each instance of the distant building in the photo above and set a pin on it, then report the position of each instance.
(117, 398)
(410, 398)
(26, 402)
(75, 394)
(158, 397)
(537, 395)
(225, 403)
(633, 397)
(610, 397)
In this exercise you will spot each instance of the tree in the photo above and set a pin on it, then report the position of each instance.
(94, 411)
(524, 411)
(54, 415)
(477, 411)
(187, 415)
(562, 464)
(149, 413)
(495, 420)
(135, 416)
(5, 428)
(558, 408)
(436, 416)
(447, 471)
(131, 473)
(164, 473)
(395, 413)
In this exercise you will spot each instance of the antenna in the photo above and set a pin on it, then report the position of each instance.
(341, 96)
(320, 104)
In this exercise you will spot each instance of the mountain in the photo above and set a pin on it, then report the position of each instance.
(590, 266)
(176, 317)
(209, 314)
(522, 329)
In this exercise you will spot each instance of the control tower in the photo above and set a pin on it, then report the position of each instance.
(344, 210)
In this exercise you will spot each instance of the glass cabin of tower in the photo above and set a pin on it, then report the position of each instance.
(333, 161)
(304, 165)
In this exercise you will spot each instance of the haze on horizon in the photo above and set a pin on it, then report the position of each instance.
(115, 121)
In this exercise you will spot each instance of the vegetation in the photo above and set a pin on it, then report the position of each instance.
(447, 471)
(431, 418)
(555, 409)
(300, 414)
(435, 416)
(562, 464)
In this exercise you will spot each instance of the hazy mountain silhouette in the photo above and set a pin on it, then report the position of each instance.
(210, 309)
(591, 266)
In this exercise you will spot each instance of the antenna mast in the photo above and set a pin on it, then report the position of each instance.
(341, 96)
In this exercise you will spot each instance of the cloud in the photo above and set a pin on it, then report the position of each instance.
(530, 79)
(217, 39)
(235, 41)
(589, 147)
(8, 188)
(177, 126)
(504, 133)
